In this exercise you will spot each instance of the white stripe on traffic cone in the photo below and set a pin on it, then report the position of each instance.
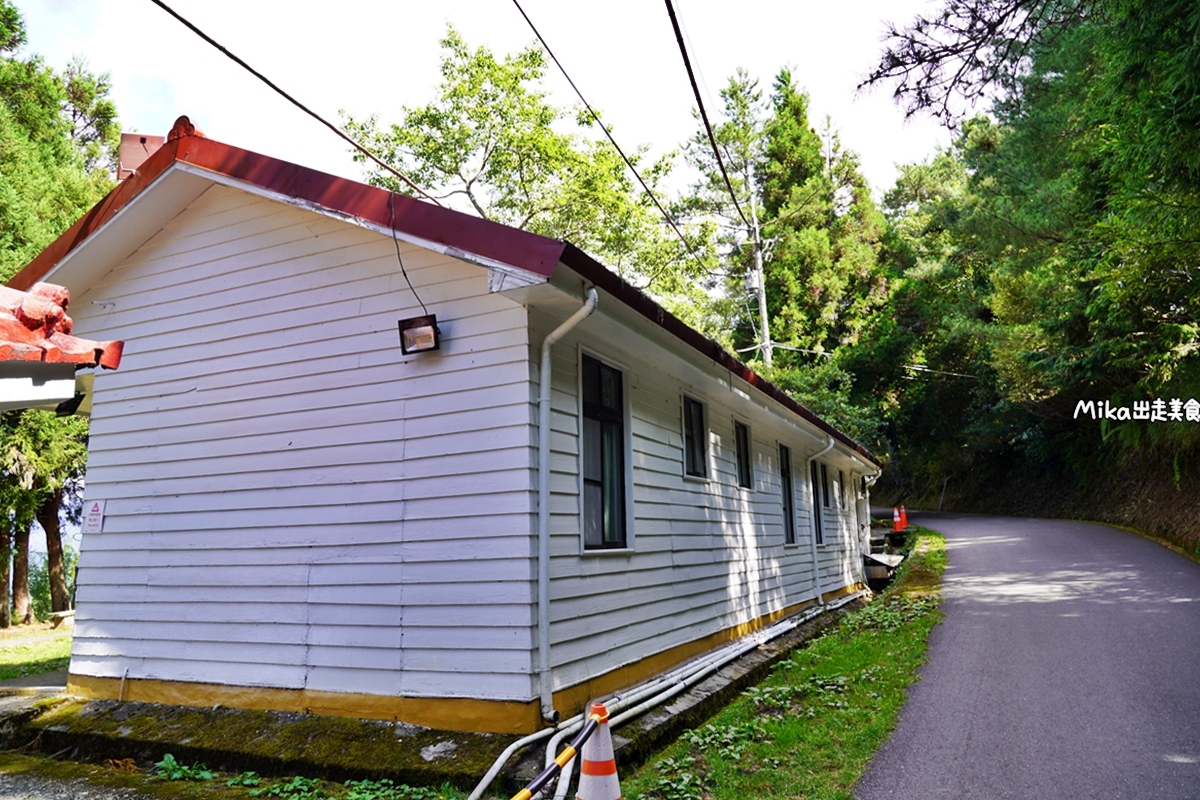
(598, 767)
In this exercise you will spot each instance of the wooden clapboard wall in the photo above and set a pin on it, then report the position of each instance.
(705, 555)
(290, 501)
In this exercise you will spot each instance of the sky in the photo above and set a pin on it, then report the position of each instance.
(371, 57)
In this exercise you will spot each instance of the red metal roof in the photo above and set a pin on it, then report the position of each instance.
(34, 326)
(452, 229)
(444, 226)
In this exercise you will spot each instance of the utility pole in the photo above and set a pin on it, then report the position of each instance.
(760, 287)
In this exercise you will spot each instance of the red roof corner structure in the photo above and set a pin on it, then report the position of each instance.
(34, 326)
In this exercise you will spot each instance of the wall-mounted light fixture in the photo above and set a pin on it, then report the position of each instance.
(420, 335)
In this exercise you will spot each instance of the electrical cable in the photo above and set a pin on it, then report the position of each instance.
(922, 368)
(687, 62)
(396, 241)
(295, 102)
(691, 250)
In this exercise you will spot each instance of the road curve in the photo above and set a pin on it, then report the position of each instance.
(1067, 666)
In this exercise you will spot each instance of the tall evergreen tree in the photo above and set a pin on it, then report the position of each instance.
(58, 135)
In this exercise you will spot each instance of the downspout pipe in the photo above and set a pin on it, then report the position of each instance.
(812, 539)
(864, 539)
(562, 330)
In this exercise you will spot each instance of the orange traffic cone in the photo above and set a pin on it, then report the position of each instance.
(598, 769)
(897, 524)
(903, 518)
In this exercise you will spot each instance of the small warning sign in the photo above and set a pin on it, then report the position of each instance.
(93, 516)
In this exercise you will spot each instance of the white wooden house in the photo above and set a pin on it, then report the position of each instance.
(299, 516)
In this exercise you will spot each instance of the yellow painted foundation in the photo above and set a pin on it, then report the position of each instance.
(448, 713)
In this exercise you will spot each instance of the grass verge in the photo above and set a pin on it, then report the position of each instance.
(46, 653)
(810, 729)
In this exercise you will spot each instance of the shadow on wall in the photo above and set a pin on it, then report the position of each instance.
(754, 581)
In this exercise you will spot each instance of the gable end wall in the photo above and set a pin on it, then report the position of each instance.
(291, 502)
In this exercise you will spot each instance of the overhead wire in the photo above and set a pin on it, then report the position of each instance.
(687, 63)
(645, 187)
(382, 164)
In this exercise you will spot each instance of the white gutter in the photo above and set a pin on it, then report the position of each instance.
(587, 308)
(812, 540)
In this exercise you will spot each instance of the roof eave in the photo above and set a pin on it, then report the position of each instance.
(447, 230)
(611, 283)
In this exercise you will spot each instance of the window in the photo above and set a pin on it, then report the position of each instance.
(694, 461)
(825, 487)
(741, 440)
(603, 457)
(816, 506)
(785, 480)
(842, 494)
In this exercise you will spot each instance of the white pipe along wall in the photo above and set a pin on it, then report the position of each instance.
(813, 539)
(546, 689)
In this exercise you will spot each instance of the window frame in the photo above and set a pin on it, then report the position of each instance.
(787, 488)
(624, 492)
(814, 484)
(693, 438)
(743, 447)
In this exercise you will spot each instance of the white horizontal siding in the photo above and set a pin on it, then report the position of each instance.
(269, 456)
(706, 555)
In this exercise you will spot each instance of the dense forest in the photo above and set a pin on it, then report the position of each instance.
(1012, 326)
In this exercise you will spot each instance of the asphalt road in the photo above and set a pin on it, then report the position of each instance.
(1067, 666)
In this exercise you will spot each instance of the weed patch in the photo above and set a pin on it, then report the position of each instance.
(172, 770)
(811, 727)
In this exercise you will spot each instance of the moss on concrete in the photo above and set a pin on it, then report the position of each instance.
(270, 743)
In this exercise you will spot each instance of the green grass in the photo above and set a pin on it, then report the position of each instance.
(810, 729)
(48, 654)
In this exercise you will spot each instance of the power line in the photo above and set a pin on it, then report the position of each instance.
(703, 114)
(294, 101)
(604, 128)
(922, 368)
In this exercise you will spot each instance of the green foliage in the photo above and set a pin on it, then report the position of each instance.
(295, 788)
(677, 779)
(811, 727)
(35, 657)
(728, 741)
(40, 456)
(493, 143)
(385, 789)
(250, 779)
(172, 770)
(12, 27)
(779, 698)
(896, 612)
(39, 580)
(56, 130)
(58, 135)
(1048, 257)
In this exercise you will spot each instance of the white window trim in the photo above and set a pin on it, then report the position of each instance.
(753, 487)
(829, 513)
(627, 400)
(796, 539)
(707, 477)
